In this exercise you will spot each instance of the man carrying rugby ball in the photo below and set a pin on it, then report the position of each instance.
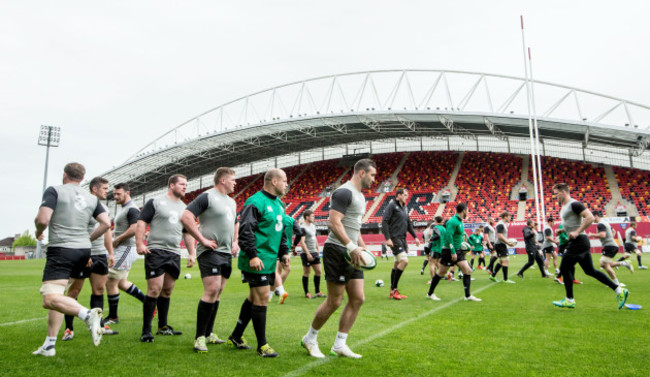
(348, 206)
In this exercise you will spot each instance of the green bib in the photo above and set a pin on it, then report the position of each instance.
(268, 235)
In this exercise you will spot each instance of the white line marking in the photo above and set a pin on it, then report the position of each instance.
(22, 321)
(302, 370)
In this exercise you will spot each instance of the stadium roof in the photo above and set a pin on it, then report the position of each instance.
(432, 109)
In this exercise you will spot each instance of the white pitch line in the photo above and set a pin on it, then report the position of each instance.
(302, 370)
(22, 321)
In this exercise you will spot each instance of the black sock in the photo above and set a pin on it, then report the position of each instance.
(481, 261)
(97, 301)
(68, 322)
(317, 283)
(471, 263)
(203, 313)
(620, 259)
(258, 315)
(505, 272)
(496, 269)
(163, 311)
(492, 260)
(392, 279)
(213, 317)
(434, 282)
(398, 275)
(305, 284)
(467, 281)
(242, 321)
(638, 259)
(148, 306)
(113, 301)
(135, 292)
(425, 263)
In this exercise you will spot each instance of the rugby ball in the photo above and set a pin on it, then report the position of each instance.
(379, 283)
(187, 276)
(512, 241)
(465, 246)
(368, 260)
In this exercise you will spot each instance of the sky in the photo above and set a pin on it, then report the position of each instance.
(115, 75)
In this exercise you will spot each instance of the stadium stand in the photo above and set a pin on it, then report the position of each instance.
(484, 183)
(486, 190)
(427, 171)
(587, 182)
(633, 184)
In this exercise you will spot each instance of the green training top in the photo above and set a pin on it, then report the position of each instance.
(476, 241)
(564, 237)
(288, 229)
(455, 233)
(263, 216)
(436, 246)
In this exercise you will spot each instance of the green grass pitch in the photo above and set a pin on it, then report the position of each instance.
(515, 331)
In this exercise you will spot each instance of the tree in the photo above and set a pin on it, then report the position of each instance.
(25, 239)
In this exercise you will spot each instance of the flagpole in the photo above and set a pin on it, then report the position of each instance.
(539, 159)
(530, 121)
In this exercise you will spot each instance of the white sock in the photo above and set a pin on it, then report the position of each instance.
(340, 340)
(572, 300)
(616, 281)
(312, 335)
(618, 290)
(279, 290)
(84, 314)
(50, 342)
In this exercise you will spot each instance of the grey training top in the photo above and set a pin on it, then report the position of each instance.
(548, 232)
(309, 231)
(125, 218)
(217, 214)
(629, 233)
(491, 235)
(604, 226)
(164, 218)
(502, 228)
(570, 214)
(352, 204)
(73, 208)
(97, 246)
(426, 235)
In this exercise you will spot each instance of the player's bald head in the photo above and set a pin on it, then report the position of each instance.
(273, 173)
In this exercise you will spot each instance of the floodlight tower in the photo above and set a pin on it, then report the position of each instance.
(50, 136)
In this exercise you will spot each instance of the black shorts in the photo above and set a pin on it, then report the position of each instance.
(213, 263)
(502, 250)
(257, 280)
(561, 249)
(99, 267)
(306, 262)
(549, 250)
(490, 248)
(426, 250)
(337, 269)
(578, 245)
(630, 247)
(477, 252)
(399, 246)
(63, 263)
(162, 262)
(445, 259)
(610, 251)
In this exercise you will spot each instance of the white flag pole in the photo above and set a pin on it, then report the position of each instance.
(530, 121)
(537, 152)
